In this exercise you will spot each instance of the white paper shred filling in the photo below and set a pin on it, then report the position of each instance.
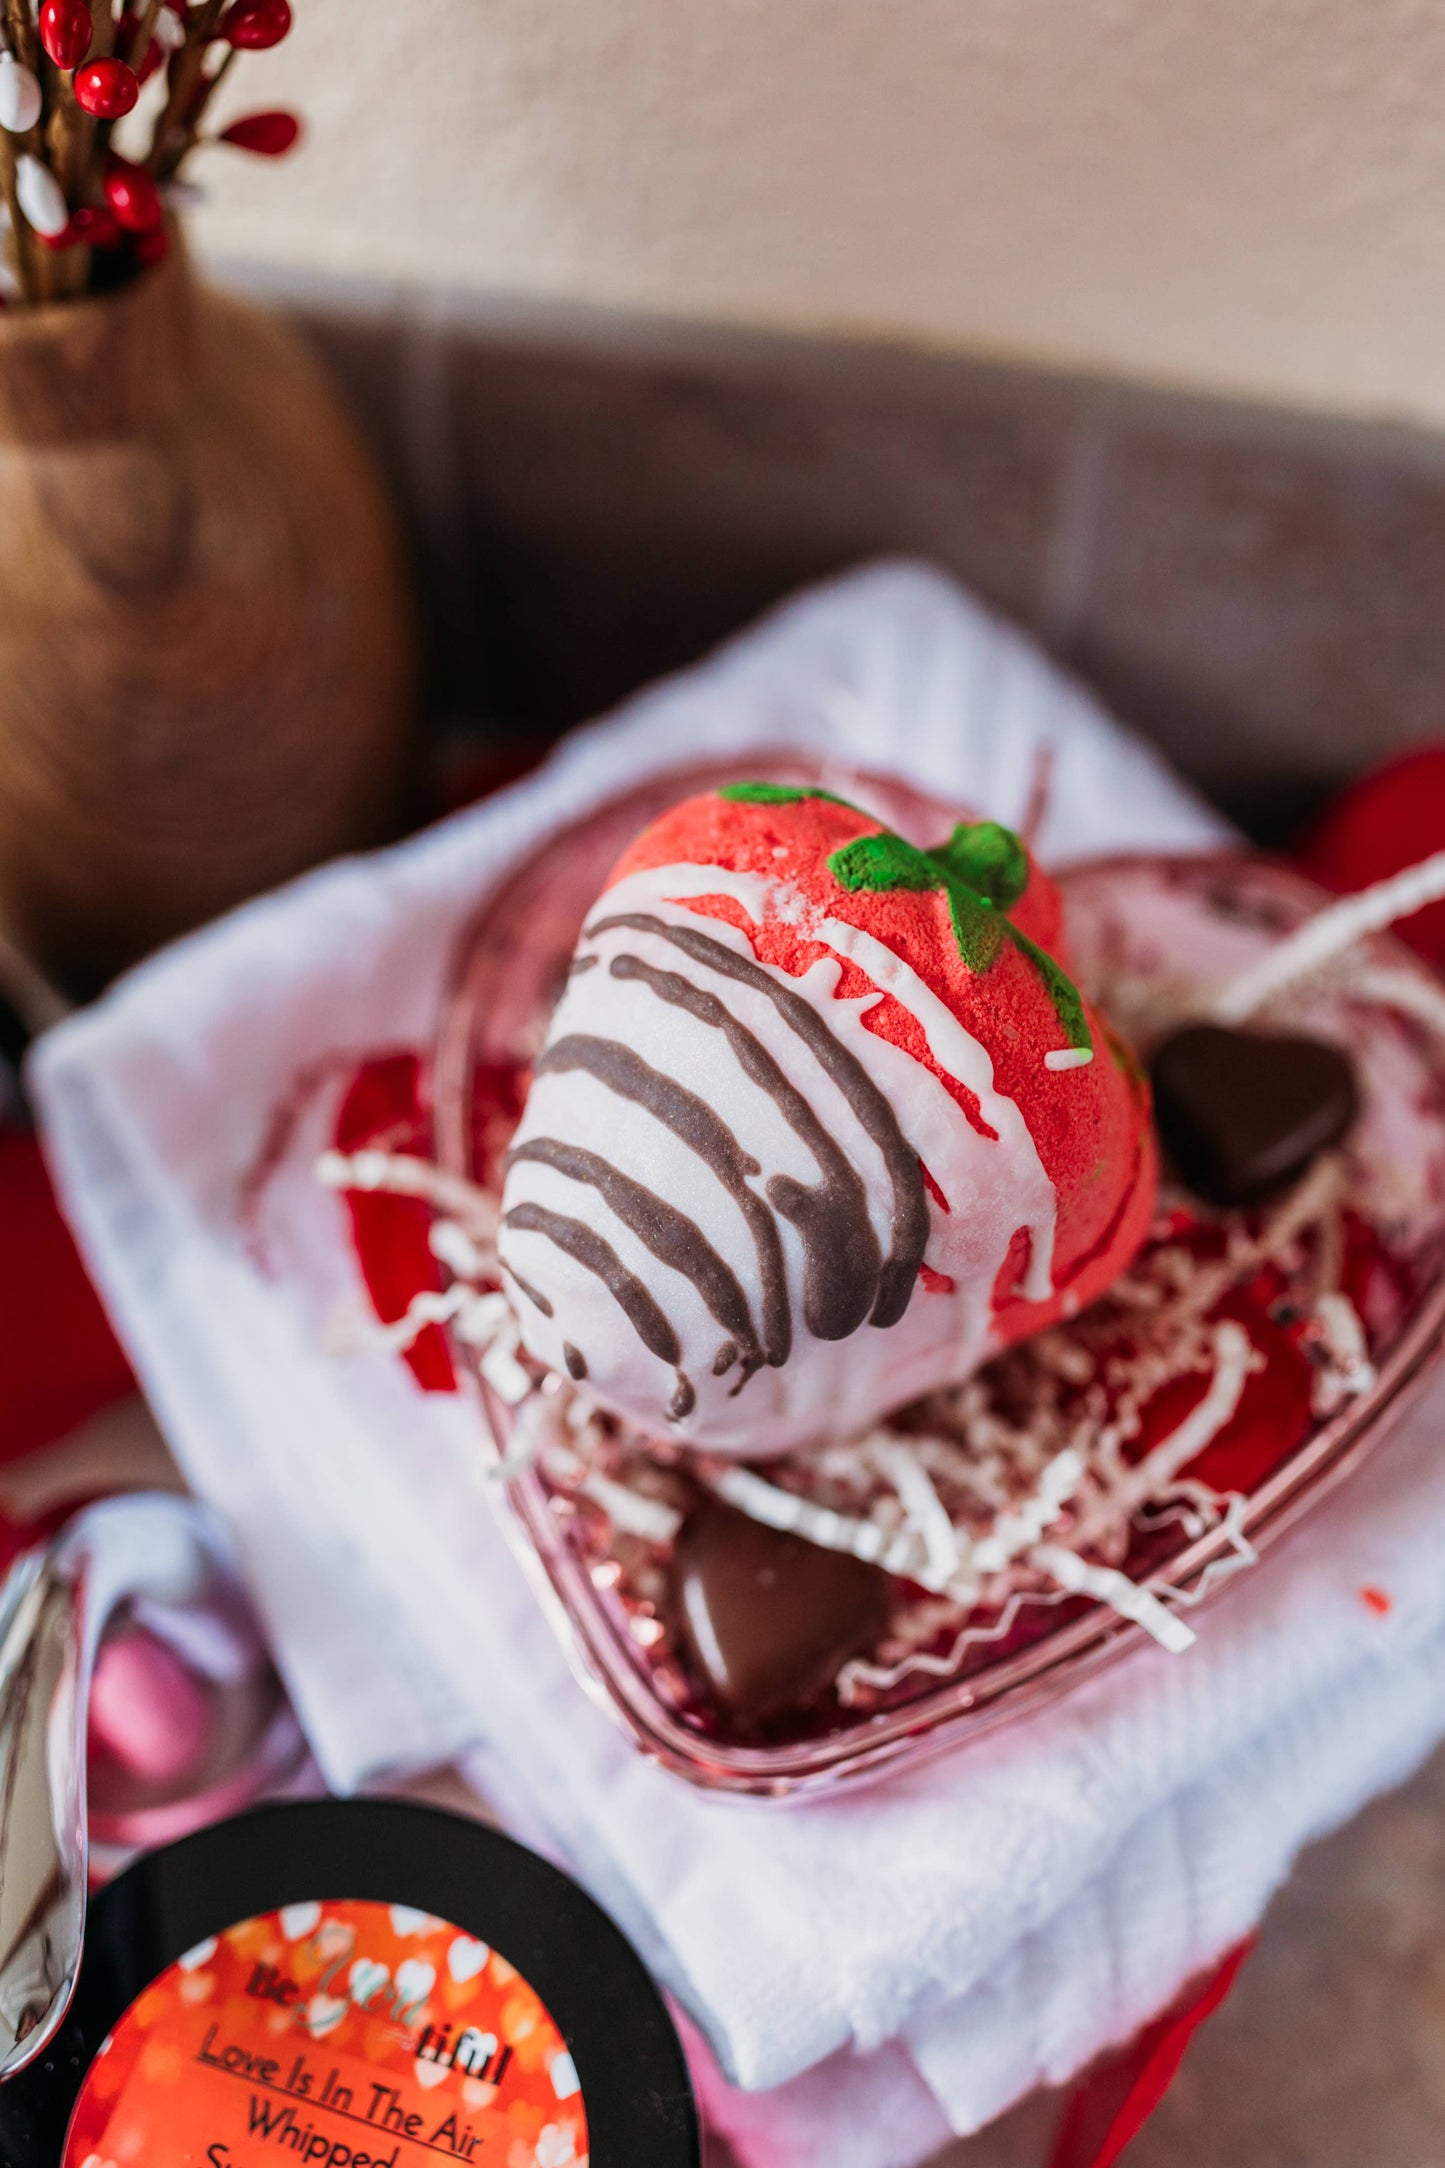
(1086, 1498)
(928, 1547)
(1121, 1594)
(1328, 934)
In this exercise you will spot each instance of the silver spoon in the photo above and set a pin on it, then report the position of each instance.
(163, 1552)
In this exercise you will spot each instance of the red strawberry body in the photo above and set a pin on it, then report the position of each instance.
(829, 967)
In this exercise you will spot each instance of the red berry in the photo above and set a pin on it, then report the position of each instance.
(66, 31)
(96, 224)
(269, 135)
(91, 225)
(153, 248)
(134, 199)
(254, 26)
(106, 88)
(1393, 815)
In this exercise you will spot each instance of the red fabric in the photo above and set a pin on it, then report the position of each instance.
(58, 1356)
(474, 772)
(385, 1109)
(1390, 819)
(1109, 2107)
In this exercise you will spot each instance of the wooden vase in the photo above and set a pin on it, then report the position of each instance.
(207, 645)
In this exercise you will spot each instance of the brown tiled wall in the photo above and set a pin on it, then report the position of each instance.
(595, 502)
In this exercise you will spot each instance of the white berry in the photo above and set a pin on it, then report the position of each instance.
(19, 96)
(41, 197)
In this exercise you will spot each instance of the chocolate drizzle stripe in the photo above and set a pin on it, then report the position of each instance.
(693, 1122)
(596, 1255)
(840, 1250)
(534, 1295)
(837, 1210)
(672, 1237)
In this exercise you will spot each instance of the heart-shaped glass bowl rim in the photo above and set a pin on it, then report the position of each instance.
(511, 964)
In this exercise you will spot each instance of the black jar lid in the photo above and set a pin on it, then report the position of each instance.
(221, 1899)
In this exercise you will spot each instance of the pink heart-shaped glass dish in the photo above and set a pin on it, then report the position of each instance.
(1100, 1480)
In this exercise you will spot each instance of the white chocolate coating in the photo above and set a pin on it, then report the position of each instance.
(635, 987)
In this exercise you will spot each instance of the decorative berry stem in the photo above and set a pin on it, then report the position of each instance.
(70, 73)
(19, 24)
(145, 31)
(174, 134)
(20, 30)
(20, 233)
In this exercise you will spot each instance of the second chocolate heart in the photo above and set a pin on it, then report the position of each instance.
(766, 1617)
(1242, 1113)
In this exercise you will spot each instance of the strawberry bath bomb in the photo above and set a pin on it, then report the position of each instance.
(820, 1123)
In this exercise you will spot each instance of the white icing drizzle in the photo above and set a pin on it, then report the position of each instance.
(965, 1058)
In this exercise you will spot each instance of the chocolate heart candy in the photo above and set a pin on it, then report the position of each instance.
(768, 1618)
(1241, 1114)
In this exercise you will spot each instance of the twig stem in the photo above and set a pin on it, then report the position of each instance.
(140, 44)
(174, 131)
(19, 230)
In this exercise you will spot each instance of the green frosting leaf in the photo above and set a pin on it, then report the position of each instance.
(881, 862)
(983, 869)
(1068, 1001)
(775, 794)
(989, 859)
(978, 928)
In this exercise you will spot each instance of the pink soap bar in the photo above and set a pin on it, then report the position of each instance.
(147, 1711)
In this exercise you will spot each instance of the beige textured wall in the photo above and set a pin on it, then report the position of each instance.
(1240, 195)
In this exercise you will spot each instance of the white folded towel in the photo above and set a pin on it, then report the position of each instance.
(903, 1961)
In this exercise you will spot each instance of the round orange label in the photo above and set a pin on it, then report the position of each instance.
(342, 2035)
